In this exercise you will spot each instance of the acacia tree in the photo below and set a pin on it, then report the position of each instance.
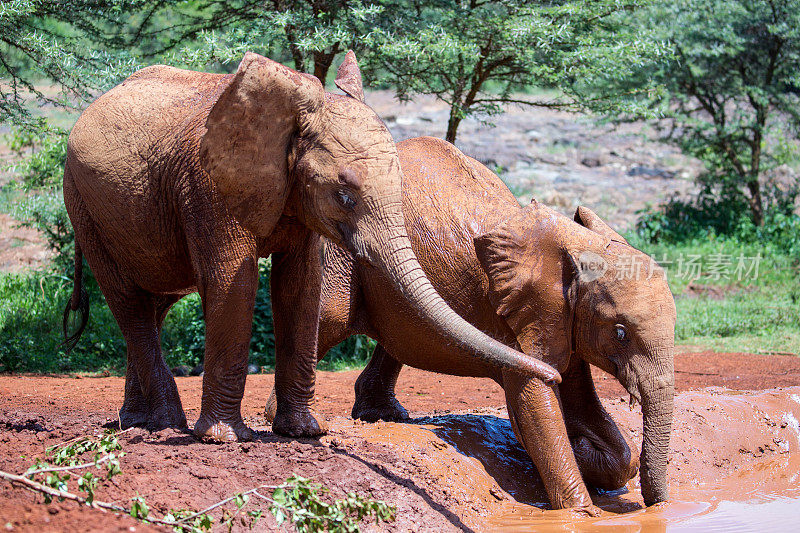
(309, 33)
(87, 45)
(729, 94)
(477, 55)
(316, 31)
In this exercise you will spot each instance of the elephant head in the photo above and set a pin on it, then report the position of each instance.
(577, 288)
(274, 136)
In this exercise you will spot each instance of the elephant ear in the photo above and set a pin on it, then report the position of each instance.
(348, 77)
(532, 281)
(589, 219)
(248, 132)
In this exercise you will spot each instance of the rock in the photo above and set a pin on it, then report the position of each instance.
(534, 135)
(648, 172)
(181, 371)
(564, 141)
(197, 371)
(253, 369)
(592, 160)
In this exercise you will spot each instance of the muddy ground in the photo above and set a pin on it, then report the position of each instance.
(455, 466)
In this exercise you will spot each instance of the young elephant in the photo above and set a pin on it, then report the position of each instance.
(536, 281)
(178, 181)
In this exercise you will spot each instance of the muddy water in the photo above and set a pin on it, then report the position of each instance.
(734, 466)
(763, 498)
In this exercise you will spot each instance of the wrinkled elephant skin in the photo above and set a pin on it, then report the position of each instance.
(537, 281)
(178, 181)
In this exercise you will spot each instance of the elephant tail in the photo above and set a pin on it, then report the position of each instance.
(79, 302)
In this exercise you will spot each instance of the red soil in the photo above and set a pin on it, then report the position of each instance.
(409, 465)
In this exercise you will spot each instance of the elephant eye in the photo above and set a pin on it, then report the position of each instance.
(345, 199)
(622, 335)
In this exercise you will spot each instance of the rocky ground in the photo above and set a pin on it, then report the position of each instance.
(562, 159)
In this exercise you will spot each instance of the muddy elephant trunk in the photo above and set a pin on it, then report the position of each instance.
(397, 259)
(657, 389)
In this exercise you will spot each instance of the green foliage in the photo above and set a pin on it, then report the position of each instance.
(46, 213)
(300, 502)
(67, 454)
(753, 314)
(315, 32)
(681, 221)
(729, 93)
(353, 352)
(39, 174)
(42, 154)
(139, 508)
(63, 458)
(458, 50)
(185, 521)
(308, 34)
(31, 306)
(53, 41)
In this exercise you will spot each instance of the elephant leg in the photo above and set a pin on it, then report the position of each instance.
(151, 396)
(375, 397)
(295, 288)
(604, 454)
(228, 294)
(340, 307)
(135, 408)
(535, 415)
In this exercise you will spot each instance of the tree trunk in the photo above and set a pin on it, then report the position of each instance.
(322, 63)
(756, 202)
(452, 126)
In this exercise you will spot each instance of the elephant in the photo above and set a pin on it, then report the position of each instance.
(178, 181)
(537, 281)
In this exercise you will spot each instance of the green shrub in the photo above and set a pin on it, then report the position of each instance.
(46, 213)
(31, 306)
(43, 155)
(705, 217)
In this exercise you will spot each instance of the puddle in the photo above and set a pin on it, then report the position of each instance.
(766, 498)
(734, 466)
(762, 493)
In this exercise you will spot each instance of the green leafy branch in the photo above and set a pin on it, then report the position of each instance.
(298, 500)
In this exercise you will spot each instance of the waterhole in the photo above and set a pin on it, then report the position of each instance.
(734, 467)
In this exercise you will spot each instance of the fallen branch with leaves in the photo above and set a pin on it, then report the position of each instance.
(297, 500)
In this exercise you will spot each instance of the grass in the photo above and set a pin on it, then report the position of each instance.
(31, 306)
(754, 314)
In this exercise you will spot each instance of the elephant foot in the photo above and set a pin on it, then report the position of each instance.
(138, 414)
(587, 510)
(212, 430)
(370, 410)
(602, 466)
(129, 418)
(299, 424)
(168, 417)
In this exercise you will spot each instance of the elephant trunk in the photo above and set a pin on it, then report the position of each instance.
(657, 389)
(401, 265)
